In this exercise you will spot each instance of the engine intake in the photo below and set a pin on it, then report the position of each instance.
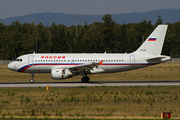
(59, 74)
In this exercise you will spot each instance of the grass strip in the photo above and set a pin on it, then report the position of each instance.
(90, 102)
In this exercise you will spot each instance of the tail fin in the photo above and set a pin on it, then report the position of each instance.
(154, 43)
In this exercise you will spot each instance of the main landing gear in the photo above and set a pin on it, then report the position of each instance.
(32, 78)
(85, 79)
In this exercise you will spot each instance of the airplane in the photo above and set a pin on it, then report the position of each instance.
(67, 65)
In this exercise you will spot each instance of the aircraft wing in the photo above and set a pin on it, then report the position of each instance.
(79, 68)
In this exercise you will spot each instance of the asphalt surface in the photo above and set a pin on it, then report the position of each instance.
(90, 84)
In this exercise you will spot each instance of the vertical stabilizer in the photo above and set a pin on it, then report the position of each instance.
(154, 43)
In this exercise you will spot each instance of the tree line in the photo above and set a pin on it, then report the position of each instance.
(18, 39)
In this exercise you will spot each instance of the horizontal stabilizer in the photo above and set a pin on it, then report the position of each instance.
(155, 58)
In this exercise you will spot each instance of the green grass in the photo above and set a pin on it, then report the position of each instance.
(90, 102)
(61, 119)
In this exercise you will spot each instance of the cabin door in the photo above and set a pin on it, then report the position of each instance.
(131, 60)
(30, 60)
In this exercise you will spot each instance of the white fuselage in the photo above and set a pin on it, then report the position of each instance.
(44, 63)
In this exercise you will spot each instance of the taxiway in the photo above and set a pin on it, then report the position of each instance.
(90, 84)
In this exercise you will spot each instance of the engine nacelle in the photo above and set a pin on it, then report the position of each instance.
(59, 74)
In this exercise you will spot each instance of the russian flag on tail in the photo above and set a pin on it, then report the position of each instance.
(152, 39)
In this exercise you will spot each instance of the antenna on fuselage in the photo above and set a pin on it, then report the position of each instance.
(36, 45)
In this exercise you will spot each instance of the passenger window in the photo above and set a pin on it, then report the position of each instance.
(20, 60)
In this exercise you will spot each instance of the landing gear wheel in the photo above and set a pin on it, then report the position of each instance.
(31, 80)
(85, 80)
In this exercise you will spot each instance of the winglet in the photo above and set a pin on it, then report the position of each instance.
(101, 62)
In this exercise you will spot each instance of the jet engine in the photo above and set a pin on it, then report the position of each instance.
(59, 74)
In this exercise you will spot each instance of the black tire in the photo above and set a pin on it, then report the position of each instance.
(85, 80)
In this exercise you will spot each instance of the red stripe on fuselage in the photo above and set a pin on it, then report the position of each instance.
(25, 68)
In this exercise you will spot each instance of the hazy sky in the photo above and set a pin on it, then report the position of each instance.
(11, 8)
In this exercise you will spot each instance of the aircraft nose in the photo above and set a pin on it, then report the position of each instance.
(11, 66)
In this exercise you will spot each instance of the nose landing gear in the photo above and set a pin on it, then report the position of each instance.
(32, 78)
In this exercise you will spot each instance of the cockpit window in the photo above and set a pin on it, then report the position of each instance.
(19, 60)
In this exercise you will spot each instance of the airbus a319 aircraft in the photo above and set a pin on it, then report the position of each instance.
(63, 66)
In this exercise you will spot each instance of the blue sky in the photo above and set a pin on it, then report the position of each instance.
(12, 8)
